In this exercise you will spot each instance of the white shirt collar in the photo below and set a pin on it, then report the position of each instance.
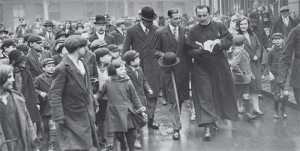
(120, 31)
(143, 26)
(100, 36)
(172, 27)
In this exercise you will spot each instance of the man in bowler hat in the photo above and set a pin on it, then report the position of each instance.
(49, 33)
(171, 38)
(100, 26)
(141, 37)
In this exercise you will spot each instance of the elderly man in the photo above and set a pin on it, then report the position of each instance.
(213, 89)
(284, 24)
(171, 38)
(140, 37)
(71, 98)
(100, 26)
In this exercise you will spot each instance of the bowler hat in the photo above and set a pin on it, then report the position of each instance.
(16, 56)
(61, 33)
(277, 36)
(100, 19)
(169, 59)
(284, 9)
(3, 29)
(48, 23)
(47, 61)
(130, 55)
(100, 52)
(147, 13)
(239, 40)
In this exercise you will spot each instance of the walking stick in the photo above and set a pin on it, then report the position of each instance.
(175, 89)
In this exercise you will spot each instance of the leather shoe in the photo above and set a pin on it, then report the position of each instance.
(214, 126)
(258, 114)
(250, 117)
(153, 125)
(207, 134)
(176, 135)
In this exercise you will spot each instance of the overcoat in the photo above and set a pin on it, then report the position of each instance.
(291, 48)
(137, 40)
(27, 130)
(240, 64)
(90, 61)
(140, 83)
(166, 42)
(42, 83)
(50, 40)
(109, 39)
(279, 27)
(71, 100)
(254, 48)
(33, 64)
(122, 97)
(118, 37)
(213, 89)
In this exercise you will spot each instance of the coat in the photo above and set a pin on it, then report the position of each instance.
(279, 27)
(118, 37)
(140, 83)
(122, 97)
(50, 40)
(254, 49)
(291, 48)
(32, 63)
(19, 34)
(240, 64)
(90, 61)
(136, 39)
(42, 83)
(109, 39)
(71, 101)
(213, 89)
(28, 134)
(166, 42)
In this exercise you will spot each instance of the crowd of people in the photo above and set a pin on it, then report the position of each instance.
(81, 86)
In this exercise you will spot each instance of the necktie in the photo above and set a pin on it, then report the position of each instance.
(146, 31)
(175, 33)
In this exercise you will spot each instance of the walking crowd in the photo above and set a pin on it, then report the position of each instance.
(79, 86)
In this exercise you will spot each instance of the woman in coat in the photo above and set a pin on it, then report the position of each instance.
(253, 48)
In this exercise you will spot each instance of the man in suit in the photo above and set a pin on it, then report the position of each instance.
(100, 27)
(118, 33)
(284, 24)
(23, 30)
(71, 98)
(36, 55)
(141, 37)
(49, 33)
(171, 38)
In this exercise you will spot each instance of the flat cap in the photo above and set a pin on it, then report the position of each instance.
(277, 36)
(47, 61)
(7, 43)
(113, 48)
(73, 42)
(100, 52)
(239, 40)
(98, 44)
(34, 38)
(130, 55)
(119, 22)
(284, 8)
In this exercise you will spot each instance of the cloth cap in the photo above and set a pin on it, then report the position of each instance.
(7, 43)
(73, 42)
(111, 47)
(284, 8)
(34, 38)
(120, 22)
(61, 33)
(98, 44)
(100, 52)
(16, 56)
(239, 40)
(277, 36)
(130, 55)
(47, 61)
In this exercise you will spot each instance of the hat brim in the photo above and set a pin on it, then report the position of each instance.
(148, 19)
(51, 25)
(58, 36)
(284, 10)
(23, 58)
(160, 62)
(100, 22)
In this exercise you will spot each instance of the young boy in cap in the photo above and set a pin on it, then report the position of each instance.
(242, 74)
(103, 59)
(136, 75)
(114, 51)
(280, 91)
(42, 86)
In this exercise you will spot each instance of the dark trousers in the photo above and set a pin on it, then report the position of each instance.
(100, 119)
(151, 106)
(297, 97)
(130, 137)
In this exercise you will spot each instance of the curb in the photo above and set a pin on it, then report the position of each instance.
(289, 103)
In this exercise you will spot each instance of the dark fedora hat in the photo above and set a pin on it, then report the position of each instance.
(168, 60)
(147, 13)
(48, 23)
(100, 19)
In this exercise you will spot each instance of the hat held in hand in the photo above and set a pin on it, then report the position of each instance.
(169, 59)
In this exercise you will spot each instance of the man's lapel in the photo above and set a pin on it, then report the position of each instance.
(46, 80)
(141, 33)
(132, 74)
(73, 71)
(181, 40)
(171, 36)
(34, 58)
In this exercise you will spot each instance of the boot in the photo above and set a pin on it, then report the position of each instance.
(248, 116)
(276, 114)
(283, 103)
(207, 133)
(256, 105)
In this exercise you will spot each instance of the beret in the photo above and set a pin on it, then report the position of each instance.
(98, 44)
(100, 52)
(34, 38)
(47, 61)
(130, 55)
(73, 42)
(239, 40)
(284, 8)
(277, 36)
